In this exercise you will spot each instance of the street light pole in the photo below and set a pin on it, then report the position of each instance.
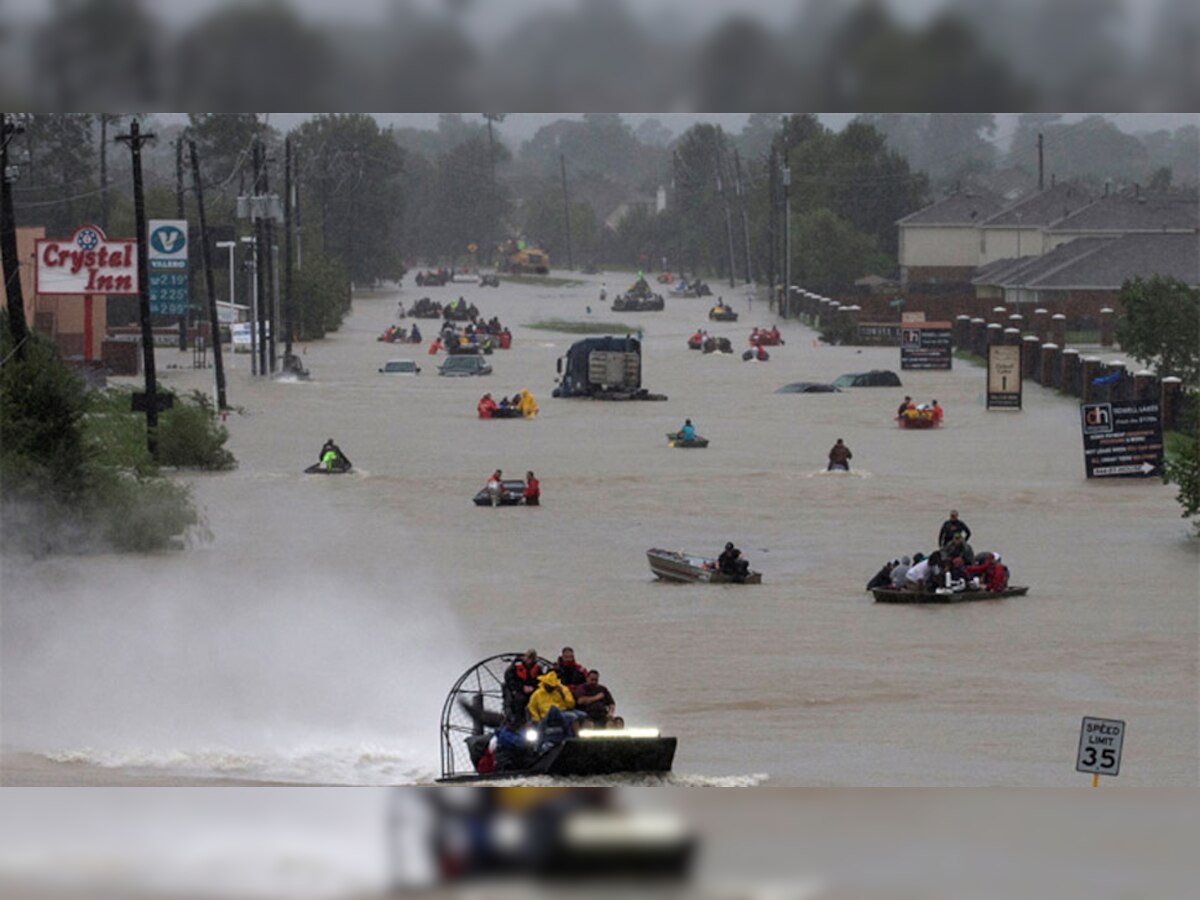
(254, 335)
(787, 224)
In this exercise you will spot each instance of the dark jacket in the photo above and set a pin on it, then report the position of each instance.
(840, 454)
(882, 579)
(950, 528)
(570, 674)
(516, 677)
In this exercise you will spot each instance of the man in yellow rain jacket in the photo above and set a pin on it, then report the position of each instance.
(550, 693)
(552, 708)
(527, 405)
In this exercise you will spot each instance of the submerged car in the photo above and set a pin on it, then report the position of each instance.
(874, 378)
(461, 366)
(808, 387)
(401, 367)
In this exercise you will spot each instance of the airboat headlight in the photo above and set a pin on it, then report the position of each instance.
(619, 733)
(531, 736)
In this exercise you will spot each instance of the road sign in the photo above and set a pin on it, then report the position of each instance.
(167, 262)
(1122, 440)
(1004, 376)
(925, 345)
(1100, 743)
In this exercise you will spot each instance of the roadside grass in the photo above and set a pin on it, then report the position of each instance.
(568, 327)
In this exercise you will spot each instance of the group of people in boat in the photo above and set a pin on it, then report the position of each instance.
(474, 337)
(756, 352)
(395, 334)
(709, 343)
(769, 336)
(520, 404)
(952, 568)
(543, 707)
(531, 494)
(928, 412)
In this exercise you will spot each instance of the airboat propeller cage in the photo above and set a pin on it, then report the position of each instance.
(478, 693)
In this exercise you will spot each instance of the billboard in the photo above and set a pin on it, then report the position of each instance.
(87, 263)
(1122, 440)
(925, 345)
(1004, 376)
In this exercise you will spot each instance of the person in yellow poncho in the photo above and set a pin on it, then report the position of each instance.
(527, 405)
(550, 693)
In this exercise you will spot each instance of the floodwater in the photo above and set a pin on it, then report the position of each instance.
(313, 638)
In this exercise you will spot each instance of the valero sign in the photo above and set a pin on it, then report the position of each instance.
(88, 263)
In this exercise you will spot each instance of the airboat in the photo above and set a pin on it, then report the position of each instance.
(475, 706)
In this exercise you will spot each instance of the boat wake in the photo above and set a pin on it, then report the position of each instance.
(838, 473)
(670, 779)
(364, 764)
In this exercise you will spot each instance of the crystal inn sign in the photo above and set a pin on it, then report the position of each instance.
(88, 263)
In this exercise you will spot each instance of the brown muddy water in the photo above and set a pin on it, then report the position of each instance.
(314, 637)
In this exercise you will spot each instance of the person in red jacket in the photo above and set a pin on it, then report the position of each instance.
(486, 406)
(990, 572)
(533, 490)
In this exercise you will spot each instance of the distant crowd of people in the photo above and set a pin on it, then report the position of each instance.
(952, 568)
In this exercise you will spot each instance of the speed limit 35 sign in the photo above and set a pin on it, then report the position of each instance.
(1100, 746)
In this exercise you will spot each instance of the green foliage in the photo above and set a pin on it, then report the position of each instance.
(1160, 326)
(828, 250)
(1182, 468)
(321, 292)
(75, 474)
(42, 403)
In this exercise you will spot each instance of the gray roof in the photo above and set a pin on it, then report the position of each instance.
(1124, 212)
(1043, 207)
(965, 209)
(1101, 263)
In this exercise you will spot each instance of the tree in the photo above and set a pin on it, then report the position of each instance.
(354, 171)
(828, 250)
(58, 178)
(1160, 325)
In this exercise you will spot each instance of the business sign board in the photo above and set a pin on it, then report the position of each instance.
(242, 332)
(167, 266)
(87, 263)
(1004, 376)
(1122, 440)
(925, 345)
(1100, 742)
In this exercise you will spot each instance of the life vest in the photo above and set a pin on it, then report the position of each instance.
(525, 673)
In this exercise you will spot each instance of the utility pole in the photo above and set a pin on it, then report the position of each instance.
(741, 199)
(104, 170)
(8, 240)
(272, 278)
(135, 139)
(260, 251)
(214, 321)
(562, 161)
(772, 231)
(785, 304)
(299, 224)
(289, 313)
(181, 214)
(1041, 170)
